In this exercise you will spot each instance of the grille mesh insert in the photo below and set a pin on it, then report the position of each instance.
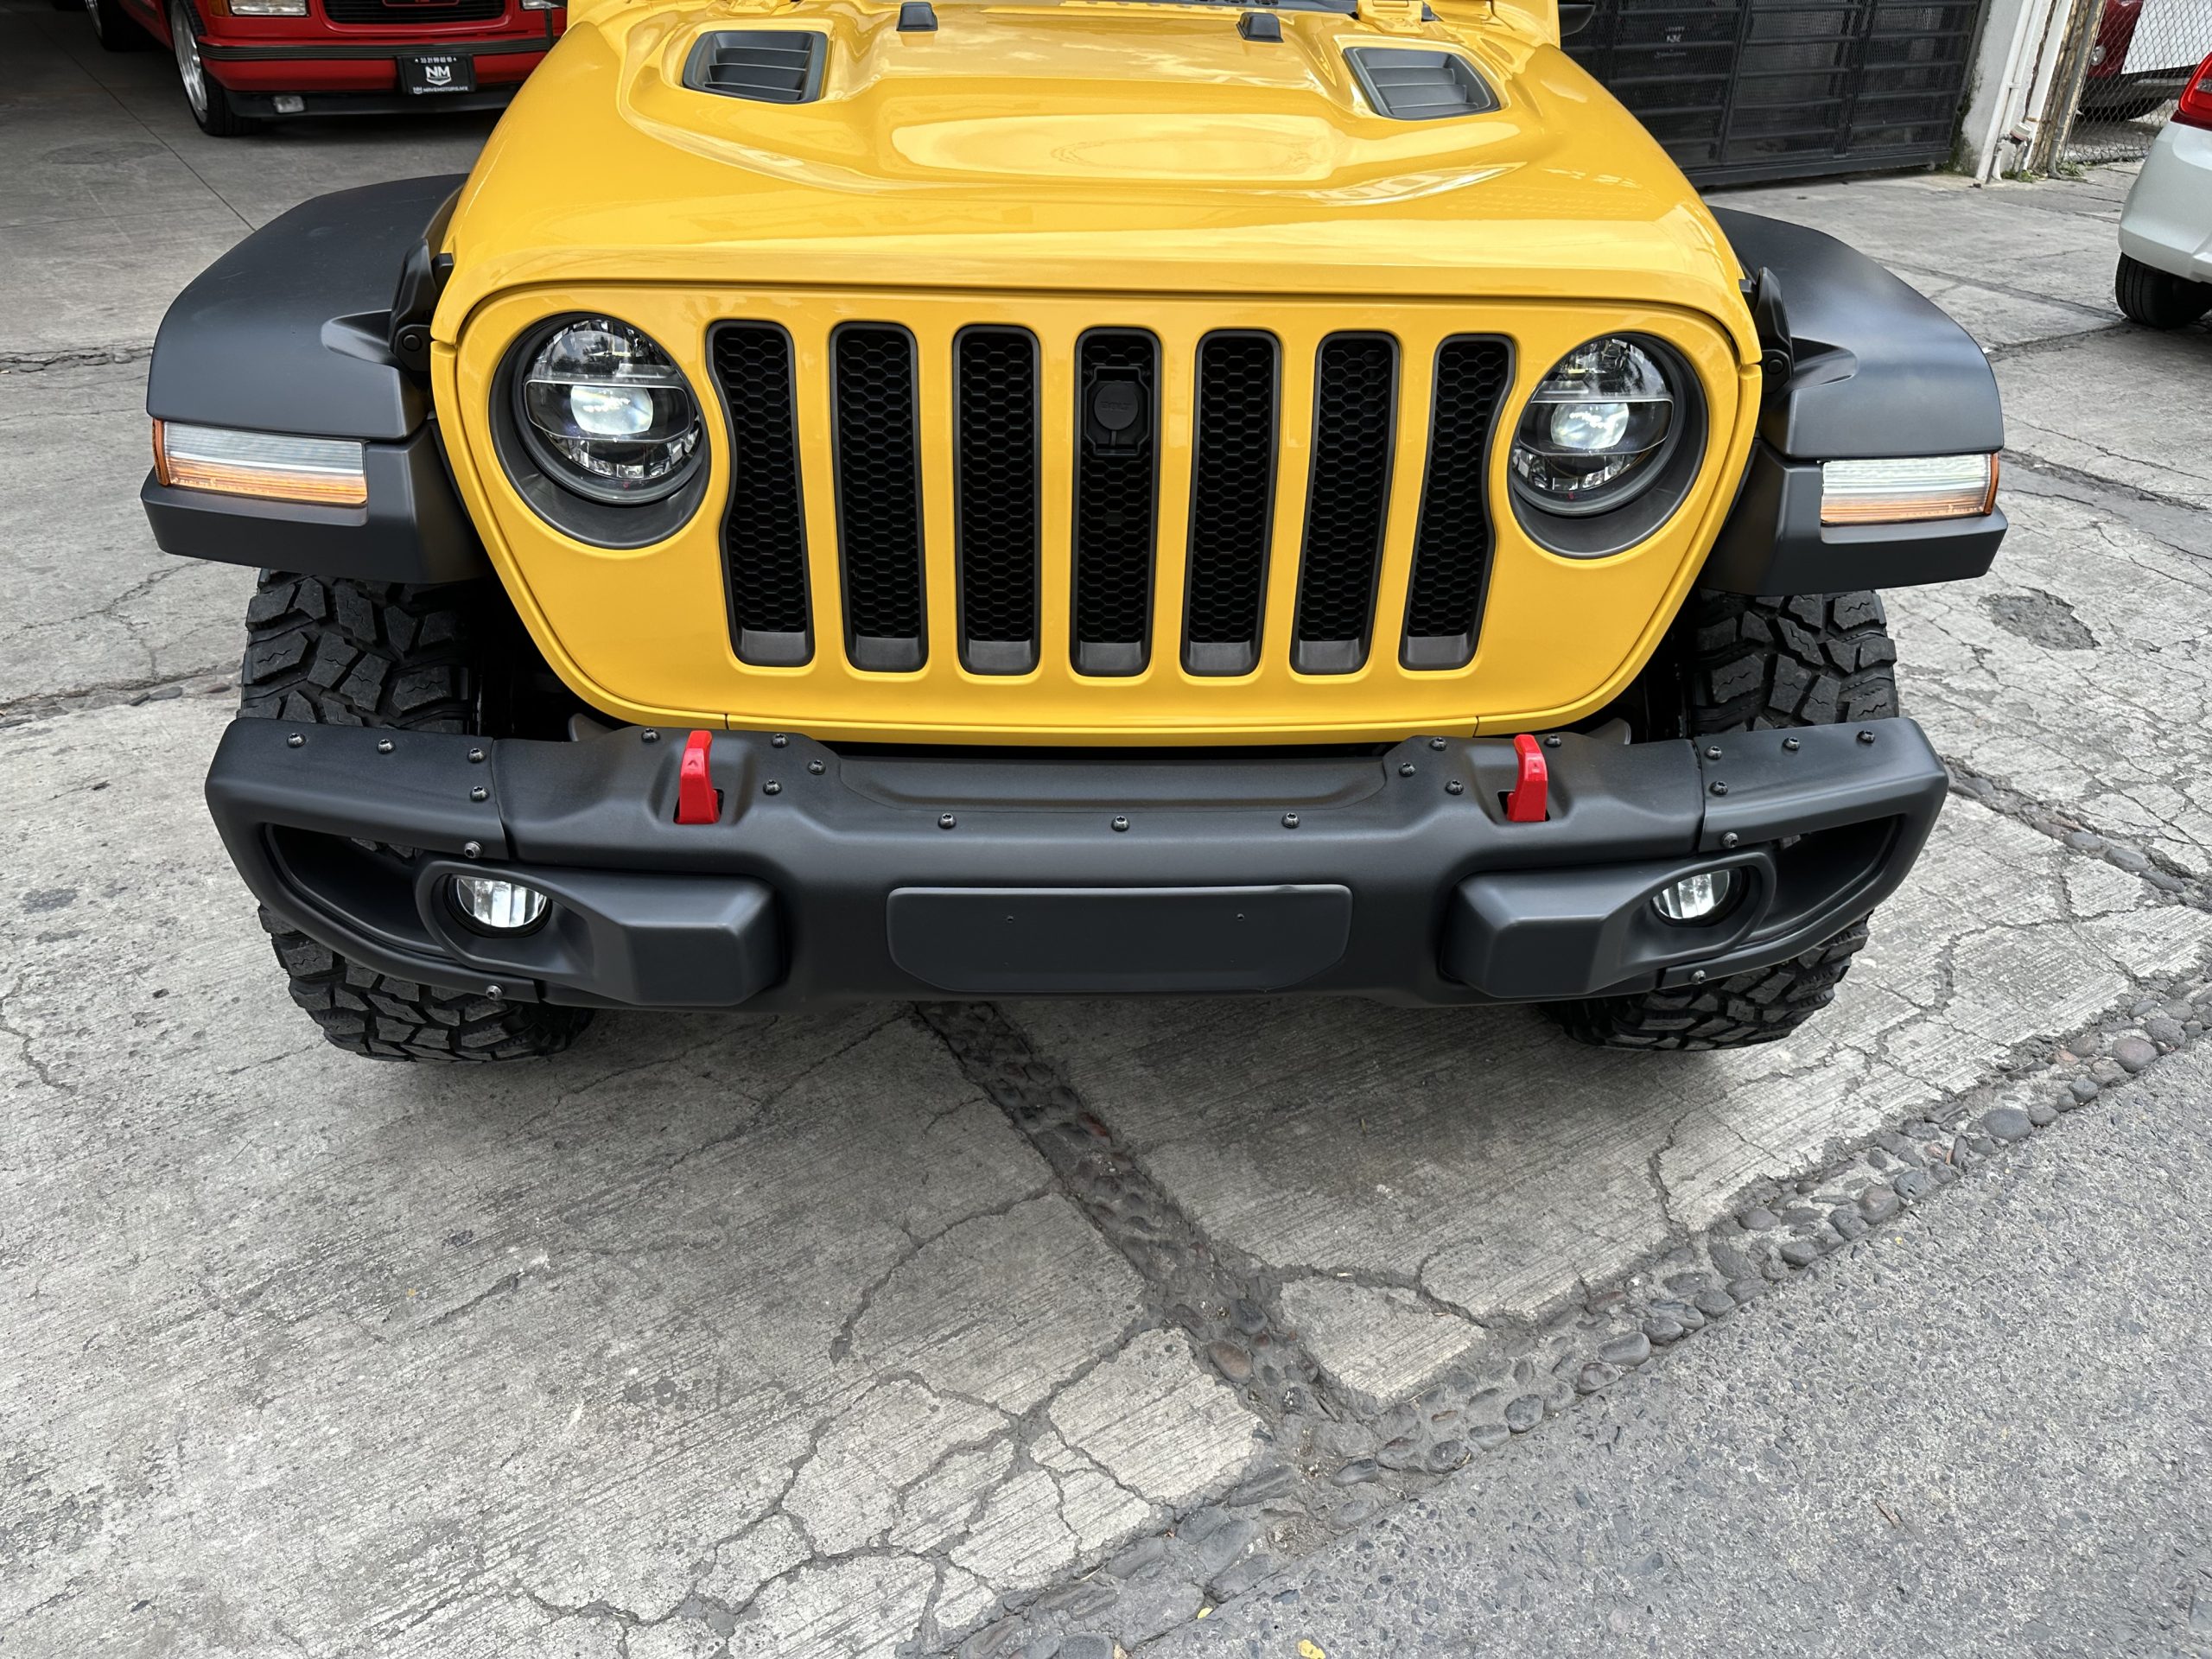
(1116, 471)
(996, 382)
(764, 534)
(1451, 546)
(879, 495)
(1232, 501)
(1355, 398)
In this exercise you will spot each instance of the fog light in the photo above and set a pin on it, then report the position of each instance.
(499, 907)
(1695, 897)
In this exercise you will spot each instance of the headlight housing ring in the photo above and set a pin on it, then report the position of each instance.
(1607, 446)
(599, 431)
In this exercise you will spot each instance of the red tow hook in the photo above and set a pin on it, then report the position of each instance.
(698, 800)
(1530, 800)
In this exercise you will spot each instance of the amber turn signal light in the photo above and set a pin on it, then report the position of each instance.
(273, 467)
(1908, 491)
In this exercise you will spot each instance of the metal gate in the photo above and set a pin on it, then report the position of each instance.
(1738, 90)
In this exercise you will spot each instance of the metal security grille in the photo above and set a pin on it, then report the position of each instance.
(764, 530)
(1452, 545)
(995, 396)
(1326, 430)
(879, 495)
(1765, 89)
(1355, 401)
(387, 14)
(2138, 58)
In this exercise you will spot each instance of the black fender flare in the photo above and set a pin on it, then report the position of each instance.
(1860, 365)
(292, 332)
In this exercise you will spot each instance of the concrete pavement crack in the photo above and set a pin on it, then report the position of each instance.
(2079, 832)
(104, 693)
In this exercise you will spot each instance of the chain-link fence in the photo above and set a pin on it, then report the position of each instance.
(2139, 58)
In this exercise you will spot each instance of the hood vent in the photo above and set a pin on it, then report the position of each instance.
(770, 66)
(1408, 85)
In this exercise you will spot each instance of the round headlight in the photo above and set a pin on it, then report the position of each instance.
(1597, 430)
(605, 412)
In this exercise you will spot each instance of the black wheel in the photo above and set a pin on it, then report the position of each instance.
(355, 653)
(211, 104)
(1733, 665)
(111, 26)
(2159, 299)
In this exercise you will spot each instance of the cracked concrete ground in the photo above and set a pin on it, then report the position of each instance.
(1014, 1331)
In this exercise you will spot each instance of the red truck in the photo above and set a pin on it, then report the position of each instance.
(242, 61)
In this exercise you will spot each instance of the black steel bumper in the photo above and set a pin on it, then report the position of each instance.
(832, 876)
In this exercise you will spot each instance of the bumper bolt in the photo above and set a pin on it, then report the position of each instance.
(1407, 769)
(1290, 820)
(479, 793)
(471, 849)
(1712, 754)
(1697, 976)
(491, 990)
(771, 787)
(814, 767)
(294, 740)
(1730, 839)
(1554, 740)
(476, 757)
(1435, 742)
(649, 735)
(1720, 788)
(1791, 744)
(946, 821)
(1865, 737)
(779, 741)
(1121, 824)
(1454, 786)
(383, 745)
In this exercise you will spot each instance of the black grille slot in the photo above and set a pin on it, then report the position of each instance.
(1232, 502)
(770, 66)
(364, 12)
(1409, 83)
(1451, 545)
(1117, 467)
(764, 532)
(879, 495)
(996, 456)
(1354, 409)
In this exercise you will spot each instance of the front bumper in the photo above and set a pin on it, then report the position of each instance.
(830, 876)
(344, 77)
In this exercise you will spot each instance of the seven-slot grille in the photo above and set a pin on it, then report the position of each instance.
(1113, 453)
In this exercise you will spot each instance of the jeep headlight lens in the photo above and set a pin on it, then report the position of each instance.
(1595, 431)
(608, 414)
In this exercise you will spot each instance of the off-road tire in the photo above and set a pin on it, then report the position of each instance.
(1734, 665)
(2159, 299)
(339, 653)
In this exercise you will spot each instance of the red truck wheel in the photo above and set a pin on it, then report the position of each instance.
(211, 104)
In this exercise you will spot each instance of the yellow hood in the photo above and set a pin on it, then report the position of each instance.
(1099, 145)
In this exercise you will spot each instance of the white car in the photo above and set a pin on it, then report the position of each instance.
(2166, 228)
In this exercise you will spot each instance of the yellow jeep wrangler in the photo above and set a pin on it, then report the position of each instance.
(950, 498)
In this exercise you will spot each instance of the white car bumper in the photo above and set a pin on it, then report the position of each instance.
(2167, 220)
